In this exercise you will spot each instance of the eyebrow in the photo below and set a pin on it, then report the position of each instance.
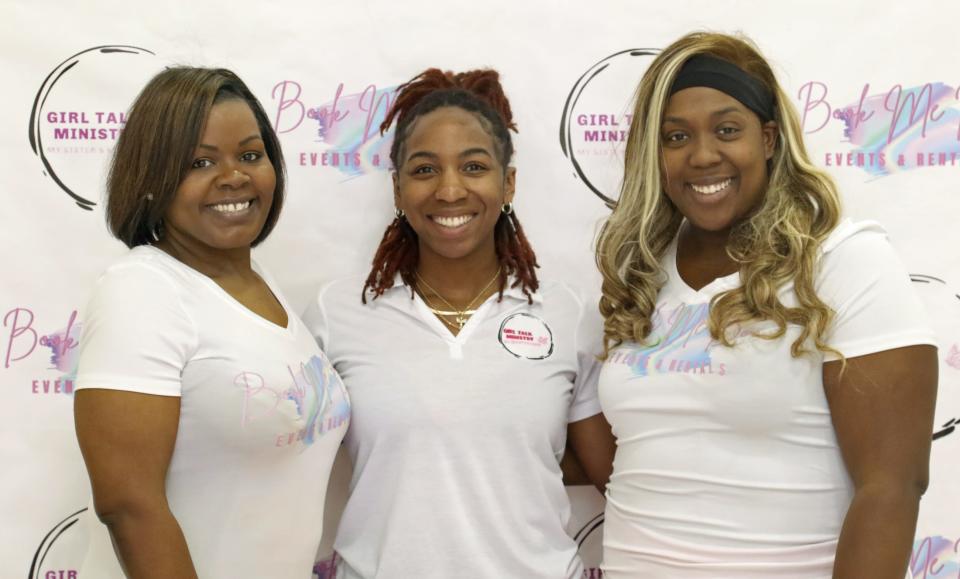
(718, 113)
(467, 153)
(241, 143)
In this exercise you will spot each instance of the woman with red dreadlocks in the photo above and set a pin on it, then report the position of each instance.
(466, 373)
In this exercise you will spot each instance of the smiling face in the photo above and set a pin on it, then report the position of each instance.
(223, 200)
(451, 186)
(715, 154)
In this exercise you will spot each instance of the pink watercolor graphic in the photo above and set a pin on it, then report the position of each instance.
(347, 128)
(64, 352)
(935, 557)
(953, 357)
(900, 129)
(350, 124)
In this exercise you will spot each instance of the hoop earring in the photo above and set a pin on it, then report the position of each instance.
(507, 208)
(399, 213)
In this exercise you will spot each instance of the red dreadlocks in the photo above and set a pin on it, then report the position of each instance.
(478, 92)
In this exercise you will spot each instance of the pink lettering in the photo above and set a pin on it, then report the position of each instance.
(328, 118)
(16, 331)
(371, 106)
(900, 105)
(253, 386)
(286, 103)
(811, 102)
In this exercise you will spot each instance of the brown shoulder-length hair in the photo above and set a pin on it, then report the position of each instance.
(156, 147)
(480, 93)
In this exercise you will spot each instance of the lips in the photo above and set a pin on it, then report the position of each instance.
(232, 207)
(453, 221)
(712, 188)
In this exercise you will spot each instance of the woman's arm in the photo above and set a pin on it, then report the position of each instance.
(593, 447)
(127, 439)
(882, 406)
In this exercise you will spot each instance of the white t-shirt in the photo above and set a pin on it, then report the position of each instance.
(262, 413)
(727, 463)
(456, 440)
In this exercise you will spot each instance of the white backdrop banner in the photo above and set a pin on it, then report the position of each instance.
(877, 87)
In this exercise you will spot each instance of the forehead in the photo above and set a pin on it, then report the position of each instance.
(700, 102)
(448, 127)
(229, 116)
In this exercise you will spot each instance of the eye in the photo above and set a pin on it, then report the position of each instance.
(728, 131)
(422, 170)
(675, 138)
(251, 156)
(474, 167)
(201, 163)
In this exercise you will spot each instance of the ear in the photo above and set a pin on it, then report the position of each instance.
(509, 184)
(396, 190)
(770, 131)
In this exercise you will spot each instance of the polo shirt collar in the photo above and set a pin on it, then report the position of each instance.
(508, 292)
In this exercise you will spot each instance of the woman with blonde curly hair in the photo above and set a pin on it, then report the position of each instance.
(769, 373)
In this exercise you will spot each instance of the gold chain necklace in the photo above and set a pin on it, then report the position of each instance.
(460, 317)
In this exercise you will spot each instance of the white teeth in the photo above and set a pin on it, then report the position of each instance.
(451, 222)
(711, 189)
(231, 207)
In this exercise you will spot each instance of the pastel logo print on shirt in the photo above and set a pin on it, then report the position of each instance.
(680, 341)
(327, 409)
(526, 336)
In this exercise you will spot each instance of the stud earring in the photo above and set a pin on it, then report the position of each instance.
(399, 213)
(507, 208)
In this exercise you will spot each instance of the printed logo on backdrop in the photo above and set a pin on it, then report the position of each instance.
(935, 557)
(526, 336)
(341, 133)
(56, 557)
(943, 302)
(596, 119)
(889, 129)
(78, 113)
(22, 341)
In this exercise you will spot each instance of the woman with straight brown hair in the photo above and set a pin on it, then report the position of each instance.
(769, 375)
(207, 416)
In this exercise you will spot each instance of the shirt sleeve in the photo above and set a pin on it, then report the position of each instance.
(876, 308)
(136, 334)
(589, 344)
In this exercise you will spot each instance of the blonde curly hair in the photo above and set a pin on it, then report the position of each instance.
(777, 245)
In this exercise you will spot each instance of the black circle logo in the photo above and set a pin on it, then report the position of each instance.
(78, 122)
(596, 120)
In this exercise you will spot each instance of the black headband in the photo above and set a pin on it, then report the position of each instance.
(711, 72)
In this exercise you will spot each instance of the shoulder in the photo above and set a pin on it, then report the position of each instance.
(341, 292)
(855, 239)
(144, 269)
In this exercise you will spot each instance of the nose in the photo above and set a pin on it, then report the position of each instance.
(451, 187)
(704, 152)
(233, 178)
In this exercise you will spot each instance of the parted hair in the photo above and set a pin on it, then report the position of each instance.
(778, 244)
(156, 147)
(478, 92)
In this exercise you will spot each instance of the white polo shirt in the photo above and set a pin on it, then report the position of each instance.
(456, 440)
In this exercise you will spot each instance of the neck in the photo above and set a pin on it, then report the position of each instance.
(459, 281)
(213, 263)
(707, 247)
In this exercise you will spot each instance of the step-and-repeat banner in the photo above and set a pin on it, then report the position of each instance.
(877, 87)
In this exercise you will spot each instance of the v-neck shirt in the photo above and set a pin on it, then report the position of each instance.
(456, 440)
(727, 463)
(262, 413)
